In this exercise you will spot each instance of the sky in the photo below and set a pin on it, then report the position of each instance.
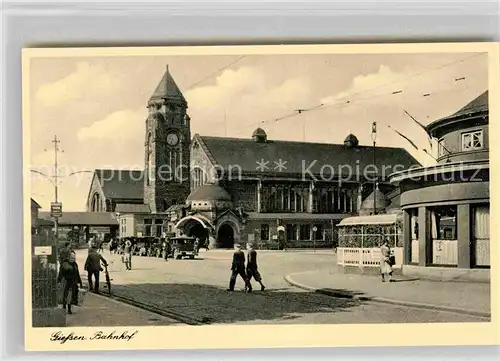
(97, 106)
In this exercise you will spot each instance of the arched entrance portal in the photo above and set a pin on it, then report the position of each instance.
(196, 229)
(225, 236)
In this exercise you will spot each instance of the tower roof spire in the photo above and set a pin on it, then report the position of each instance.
(167, 88)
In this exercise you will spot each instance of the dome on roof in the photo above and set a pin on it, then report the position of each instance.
(351, 141)
(259, 135)
(479, 104)
(473, 112)
(381, 202)
(209, 192)
(259, 131)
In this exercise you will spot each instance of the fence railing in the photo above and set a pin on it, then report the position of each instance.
(365, 257)
(43, 274)
(274, 245)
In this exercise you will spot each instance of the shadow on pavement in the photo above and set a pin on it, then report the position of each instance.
(338, 292)
(347, 293)
(216, 305)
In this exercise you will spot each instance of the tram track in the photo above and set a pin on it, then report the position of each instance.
(207, 317)
(196, 312)
(182, 318)
(176, 316)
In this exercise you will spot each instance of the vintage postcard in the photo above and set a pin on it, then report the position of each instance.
(260, 196)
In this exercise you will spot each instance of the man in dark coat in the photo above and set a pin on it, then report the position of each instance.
(238, 268)
(64, 252)
(70, 275)
(93, 268)
(252, 268)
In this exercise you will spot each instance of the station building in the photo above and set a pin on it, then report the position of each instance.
(231, 190)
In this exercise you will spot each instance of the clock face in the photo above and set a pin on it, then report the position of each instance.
(172, 139)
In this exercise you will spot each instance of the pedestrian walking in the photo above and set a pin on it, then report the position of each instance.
(91, 244)
(196, 246)
(93, 268)
(238, 268)
(113, 245)
(69, 276)
(252, 268)
(166, 249)
(386, 261)
(128, 255)
(64, 252)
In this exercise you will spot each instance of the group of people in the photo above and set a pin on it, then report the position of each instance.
(69, 274)
(245, 271)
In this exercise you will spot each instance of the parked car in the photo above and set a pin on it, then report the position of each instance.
(181, 247)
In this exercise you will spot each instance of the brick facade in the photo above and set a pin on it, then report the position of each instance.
(167, 149)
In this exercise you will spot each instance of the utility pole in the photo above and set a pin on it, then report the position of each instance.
(56, 180)
(374, 139)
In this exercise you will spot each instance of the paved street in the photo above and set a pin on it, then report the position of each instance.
(197, 288)
(112, 313)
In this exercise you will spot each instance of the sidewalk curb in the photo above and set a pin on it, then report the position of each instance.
(339, 294)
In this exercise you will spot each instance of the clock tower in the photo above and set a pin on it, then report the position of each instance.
(167, 144)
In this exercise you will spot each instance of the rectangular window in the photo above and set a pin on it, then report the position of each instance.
(305, 232)
(291, 232)
(264, 232)
(444, 235)
(472, 140)
(147, 226)
(441, 148)
(318, 232)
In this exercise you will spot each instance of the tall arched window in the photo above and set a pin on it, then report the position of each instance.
(199, 177)
(96, 204)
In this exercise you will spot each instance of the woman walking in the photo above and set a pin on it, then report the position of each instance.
(69, 275)
(385, 262)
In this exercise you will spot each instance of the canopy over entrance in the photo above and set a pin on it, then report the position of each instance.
(196, 226)
(204, 221)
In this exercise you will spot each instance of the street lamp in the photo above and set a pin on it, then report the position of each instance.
(374, 139)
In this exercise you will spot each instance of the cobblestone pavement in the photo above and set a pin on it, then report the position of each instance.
(98, 311)
(198, 288)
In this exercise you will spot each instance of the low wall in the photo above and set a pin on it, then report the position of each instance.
(49, 317)
(448, 273)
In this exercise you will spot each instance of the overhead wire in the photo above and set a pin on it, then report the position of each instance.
(348, 102)
(215, 73)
